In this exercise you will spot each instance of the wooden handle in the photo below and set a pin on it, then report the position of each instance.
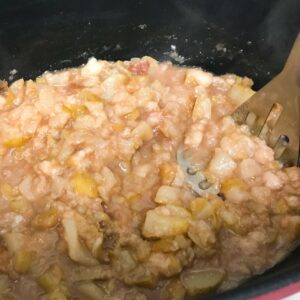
(292, 66)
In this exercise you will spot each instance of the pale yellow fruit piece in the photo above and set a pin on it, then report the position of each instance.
(77, 250)
(16, 142)
(202, 234)
(8, 191)
(19, 205)
(50, 280)
(41, 80)
(133, 198)
(202, 108)
(239, 94)
(60, 293)
(199, 205)
(75, 110)
(91, 291)
(166, 221)
(9, 99)
(117, 127)
(22, 261)
(135, 114)
(84, 185)
(168, 195)
(46, 219)
(173, 290)
(88, 96)
(230, 183)
(198, 77)
(202, 281)
(143, 131)
(167, 172)
(167, 264)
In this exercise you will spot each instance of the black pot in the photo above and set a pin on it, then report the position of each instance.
(250, 37)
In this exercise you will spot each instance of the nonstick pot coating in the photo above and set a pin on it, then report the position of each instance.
(250, 37)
